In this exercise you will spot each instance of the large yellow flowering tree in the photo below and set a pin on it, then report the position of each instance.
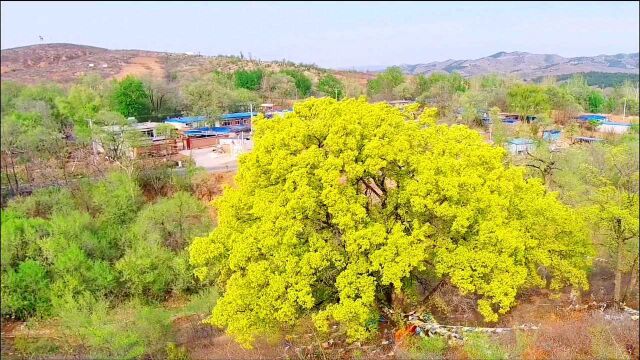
(341, 204)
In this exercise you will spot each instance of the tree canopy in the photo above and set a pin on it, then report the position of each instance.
(130, 97)
(330, 86)
(343, 206)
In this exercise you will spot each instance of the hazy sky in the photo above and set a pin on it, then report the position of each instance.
(331, 34)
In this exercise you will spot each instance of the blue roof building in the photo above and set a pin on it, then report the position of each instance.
(551, 135)
(235, 116)
(592, 117)
(519, 146)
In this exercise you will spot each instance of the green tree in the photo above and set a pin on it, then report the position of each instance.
(130, 97)
(302, 82)
(278, 86)
(528, 100)
(9, 92)
(330, 86)
(603, 180)
(343, 206)
(81, 105)
(381, 87)
(173, 221)
(248, 79)
(596, 101)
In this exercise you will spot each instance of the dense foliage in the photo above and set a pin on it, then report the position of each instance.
(130, 98)
(250, 80)
(343, 206)
(330, 86)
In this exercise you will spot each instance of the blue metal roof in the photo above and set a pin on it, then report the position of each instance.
(187, 119)
(592, 117)
(552, 131)
(242, 115)
(216, 130)
(520, 141)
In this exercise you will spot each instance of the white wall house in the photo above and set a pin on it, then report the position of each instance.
(613, 128)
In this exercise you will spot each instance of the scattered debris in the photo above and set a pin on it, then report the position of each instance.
(426, 325)
(635, 314)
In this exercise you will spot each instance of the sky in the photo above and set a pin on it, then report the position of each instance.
(331, 34)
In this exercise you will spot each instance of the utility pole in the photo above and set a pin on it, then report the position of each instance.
(336, 90)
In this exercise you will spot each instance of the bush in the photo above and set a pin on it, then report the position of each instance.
(201, 303)
(480, 346)
(248, 79)
(118, 199)
(25, 292)
(43, 203)
(34, 347)
(428, 348)
(19, 237)
(302, 82)
(172, 222)
(146, 270)
(126, 332)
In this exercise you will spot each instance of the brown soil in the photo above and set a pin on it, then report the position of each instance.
(141, 66)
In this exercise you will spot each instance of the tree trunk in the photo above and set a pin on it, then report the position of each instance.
(6, 173)
(632, 280)
(617, 292)
(15, 176)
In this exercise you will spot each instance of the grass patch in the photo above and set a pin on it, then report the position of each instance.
(480, 346)
(428, 348)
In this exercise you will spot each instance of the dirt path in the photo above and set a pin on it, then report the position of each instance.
(7, 338)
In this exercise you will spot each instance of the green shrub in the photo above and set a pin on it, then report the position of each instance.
(248, 79)
(480, 346)
(201, 303)
(129, 331)
(35, 346)
(43, 203)
(146, 270)
(428, 348)
(25, 292)
(19, 237)
(173, 222)
(117, 198)
(302, 82)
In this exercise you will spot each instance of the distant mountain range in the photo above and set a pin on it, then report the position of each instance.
(523, 64)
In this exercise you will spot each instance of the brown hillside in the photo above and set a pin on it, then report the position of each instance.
(64, 63)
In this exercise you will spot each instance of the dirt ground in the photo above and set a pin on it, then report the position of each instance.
(141, 66)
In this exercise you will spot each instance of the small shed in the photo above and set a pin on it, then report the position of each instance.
(613, 127)
(551, 135)
(520, 145)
